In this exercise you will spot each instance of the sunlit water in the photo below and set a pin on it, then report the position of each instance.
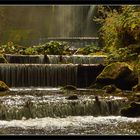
(34, 88)
(64, 125)
(73, 125)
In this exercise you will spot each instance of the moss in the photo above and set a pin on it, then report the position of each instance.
(113, 69)
(120, 73)
(3, 86)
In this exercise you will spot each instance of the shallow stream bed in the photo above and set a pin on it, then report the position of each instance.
(73, 125)
(49, 112)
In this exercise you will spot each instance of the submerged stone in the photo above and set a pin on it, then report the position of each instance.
(72, 97)
(3, 86)
(136, 88)
(132, 111)
(120, 73)
(69, 87)
(111, 89)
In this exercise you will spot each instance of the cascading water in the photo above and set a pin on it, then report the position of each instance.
(55, 59)
(27, 112)
(28, 106)
(25, 59)
(36, 105)
(48, 75)
(90, 24)
(38, 75)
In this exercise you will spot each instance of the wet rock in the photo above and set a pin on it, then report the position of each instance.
(3, 86)
(111, 89)
(120, 74)
(136, 88)
(72, 97)
(132, 111)
(96, 98)
(96, 86)
(69, 87)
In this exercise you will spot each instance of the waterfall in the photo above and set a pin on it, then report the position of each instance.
(55, 59)
(90, 24)
(25, 59)
(40, 107)
(48, 75)
(83, 59)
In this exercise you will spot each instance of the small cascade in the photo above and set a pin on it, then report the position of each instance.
(55, 59)
(83, 59)
(48, 106)
(38, 75)
(49, 75)
(25, 59)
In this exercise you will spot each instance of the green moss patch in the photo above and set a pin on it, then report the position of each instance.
(3, 86)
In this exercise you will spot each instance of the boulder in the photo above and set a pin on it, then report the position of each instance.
(3, 86)
(120, 74)
(132, 111)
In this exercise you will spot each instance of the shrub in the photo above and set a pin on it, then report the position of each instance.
(10, 48)
(56, 48)
(89, 49)
(29, 51)
(120, 28)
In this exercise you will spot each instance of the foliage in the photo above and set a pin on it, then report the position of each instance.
(88, 50)
(120, 29)
(49, 48)
(3, 86)
(10, 48)
(2, 59)
(120, 32)
(56, 48)
(52, 48)
(121, 54)
(29, 51)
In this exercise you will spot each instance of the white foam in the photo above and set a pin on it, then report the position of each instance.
(71, 121)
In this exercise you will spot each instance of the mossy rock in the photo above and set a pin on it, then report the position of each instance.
(120, 74)
(132, 111)
(3, 86)
(136, 88)
(3, 59)
(69, 87)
